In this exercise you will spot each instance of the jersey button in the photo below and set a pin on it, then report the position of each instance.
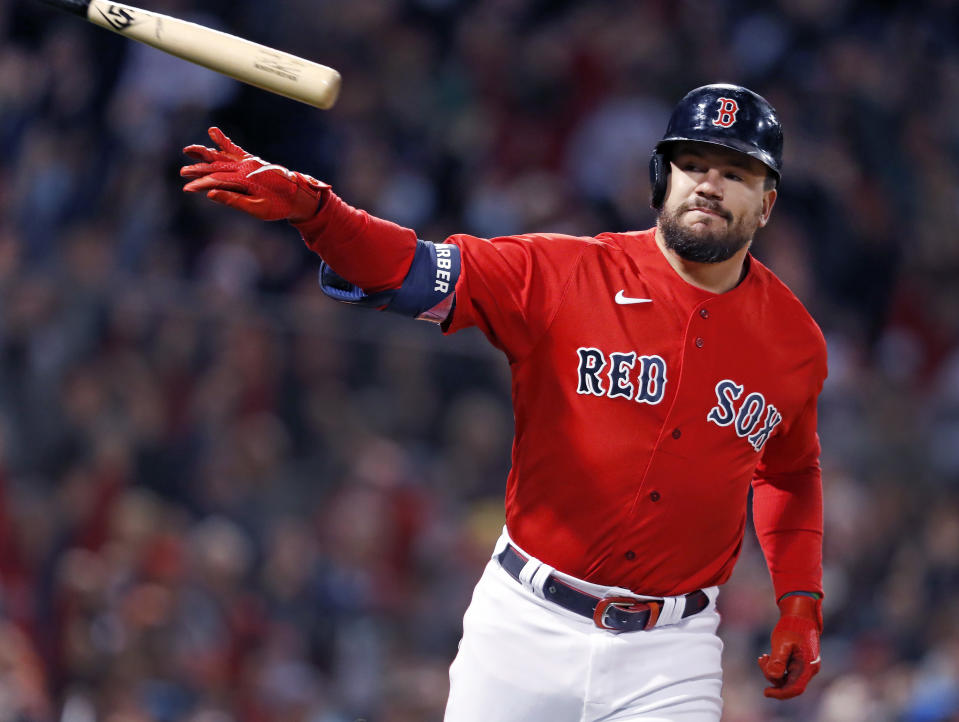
(630, 555)
(704, 313)
(677, 433)
(654, 495)
(699, 342)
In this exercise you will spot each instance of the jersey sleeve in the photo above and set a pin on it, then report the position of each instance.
(788, 507)
(511, 287)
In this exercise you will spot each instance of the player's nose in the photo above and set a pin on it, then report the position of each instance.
(710, 184)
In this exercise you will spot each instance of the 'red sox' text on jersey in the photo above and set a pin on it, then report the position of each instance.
(644, 376)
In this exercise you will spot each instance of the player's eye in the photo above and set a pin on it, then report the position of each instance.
(734, 176)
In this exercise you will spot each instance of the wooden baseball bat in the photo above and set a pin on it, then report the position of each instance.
(249, 62)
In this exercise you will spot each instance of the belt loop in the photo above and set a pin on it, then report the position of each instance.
(527, 572)
(534, 575)
(540, 579)
(672, 611)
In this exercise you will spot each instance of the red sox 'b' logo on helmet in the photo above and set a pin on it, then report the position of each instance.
(727, 112)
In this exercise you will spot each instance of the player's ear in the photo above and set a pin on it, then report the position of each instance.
(769, 200)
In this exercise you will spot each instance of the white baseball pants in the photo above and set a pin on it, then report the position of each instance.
(524, 659)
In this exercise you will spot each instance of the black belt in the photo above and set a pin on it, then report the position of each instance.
(623, 614)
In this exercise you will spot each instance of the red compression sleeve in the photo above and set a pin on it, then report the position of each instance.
(789, 526)
(365, 250)
(787, 507)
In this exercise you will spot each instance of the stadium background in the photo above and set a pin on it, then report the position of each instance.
(223, 497)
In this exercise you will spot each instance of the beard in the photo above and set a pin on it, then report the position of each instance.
(706, 245)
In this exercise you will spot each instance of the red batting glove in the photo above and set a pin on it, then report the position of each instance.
(235, 178)
(795, 647)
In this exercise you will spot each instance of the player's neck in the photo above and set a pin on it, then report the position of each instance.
(715, 277)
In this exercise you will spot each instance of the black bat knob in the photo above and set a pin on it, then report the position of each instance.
(78, 7)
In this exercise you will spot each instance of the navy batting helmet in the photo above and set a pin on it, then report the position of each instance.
(728, 115)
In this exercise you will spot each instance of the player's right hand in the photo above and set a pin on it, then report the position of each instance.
(233, 177)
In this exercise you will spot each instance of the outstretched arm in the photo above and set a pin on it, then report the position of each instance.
(509, 287)
(369, 252)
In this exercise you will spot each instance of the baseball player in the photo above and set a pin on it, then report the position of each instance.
(657, 376)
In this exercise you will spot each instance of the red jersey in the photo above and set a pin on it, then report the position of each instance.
(644, 407)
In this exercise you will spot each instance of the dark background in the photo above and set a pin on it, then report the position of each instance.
(223, 497)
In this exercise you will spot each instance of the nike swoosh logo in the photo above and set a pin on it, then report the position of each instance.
(623, 300)
(272, 166)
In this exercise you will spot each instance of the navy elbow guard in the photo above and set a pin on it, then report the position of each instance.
(426, 292)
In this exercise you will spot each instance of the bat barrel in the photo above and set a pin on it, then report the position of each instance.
(77, 7)
(250, 62)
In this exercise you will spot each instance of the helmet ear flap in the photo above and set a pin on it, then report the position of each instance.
(658, 177)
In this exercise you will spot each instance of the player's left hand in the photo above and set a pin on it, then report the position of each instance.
(794, 658)
(230, 175)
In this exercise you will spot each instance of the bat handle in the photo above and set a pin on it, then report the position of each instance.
(78, 7)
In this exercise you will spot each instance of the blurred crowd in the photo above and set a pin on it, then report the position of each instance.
(224, 497)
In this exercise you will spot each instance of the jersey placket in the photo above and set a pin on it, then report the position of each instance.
(693, 341)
